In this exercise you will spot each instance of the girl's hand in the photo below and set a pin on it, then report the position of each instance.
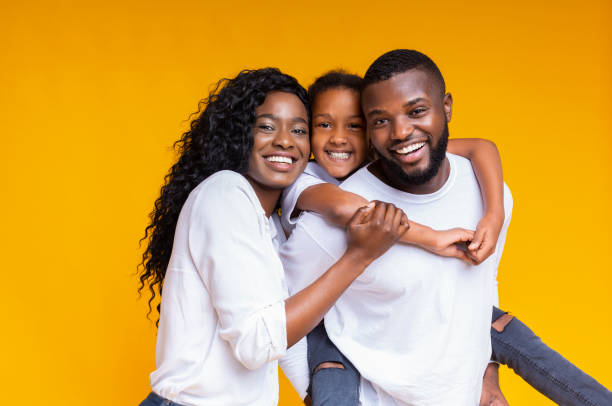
(374, 229)
(485, 238)
(451, 243)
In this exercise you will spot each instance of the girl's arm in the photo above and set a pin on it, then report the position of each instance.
(337, 206)
(487, 166)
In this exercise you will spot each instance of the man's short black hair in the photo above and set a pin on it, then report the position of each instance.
(400, 61)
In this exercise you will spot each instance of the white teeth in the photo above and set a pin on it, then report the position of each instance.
(281, 159)
(410, 148)
(339, 155)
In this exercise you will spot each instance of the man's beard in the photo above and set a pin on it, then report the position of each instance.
(438, 153)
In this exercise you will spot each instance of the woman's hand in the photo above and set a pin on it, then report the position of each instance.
(374, 229)
(485, 237)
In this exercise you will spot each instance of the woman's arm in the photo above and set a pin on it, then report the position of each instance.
(372, 230)
(487, 166)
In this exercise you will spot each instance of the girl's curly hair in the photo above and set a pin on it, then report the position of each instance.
(219, 138)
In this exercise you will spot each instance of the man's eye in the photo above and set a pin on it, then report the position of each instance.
(418, 111)
(324, 125)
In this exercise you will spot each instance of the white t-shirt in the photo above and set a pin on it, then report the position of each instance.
(314, 174)
(223, 323)
(415, 325)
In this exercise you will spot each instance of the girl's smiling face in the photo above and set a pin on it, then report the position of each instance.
(338, 131)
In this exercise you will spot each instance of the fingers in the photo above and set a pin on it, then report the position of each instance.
(361, 215)
(380, 212)
(478, 239)
(400, 222)
(465, 235)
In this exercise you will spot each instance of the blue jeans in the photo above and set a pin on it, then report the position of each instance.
(155, 400)
(516, 346)
(544, 368)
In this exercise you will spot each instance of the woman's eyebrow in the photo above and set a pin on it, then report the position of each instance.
(299, 120)
(271, 116)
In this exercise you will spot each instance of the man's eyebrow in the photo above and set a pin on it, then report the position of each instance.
(414, 101)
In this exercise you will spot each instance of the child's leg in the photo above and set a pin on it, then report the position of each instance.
(515, 345)
(334, 380)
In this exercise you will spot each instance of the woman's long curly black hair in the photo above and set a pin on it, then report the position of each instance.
(219, 138)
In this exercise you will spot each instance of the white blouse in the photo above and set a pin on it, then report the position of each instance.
(223, 325)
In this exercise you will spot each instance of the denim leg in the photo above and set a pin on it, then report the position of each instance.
(330, 386)
(155, 400)
(543, 368)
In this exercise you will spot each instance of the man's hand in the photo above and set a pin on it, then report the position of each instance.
(451, 243)
(485, 237)
(491, 393)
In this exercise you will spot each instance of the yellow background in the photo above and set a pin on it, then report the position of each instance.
(92, 95)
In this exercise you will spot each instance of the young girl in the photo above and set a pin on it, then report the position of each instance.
(225, 316)
(339, 147)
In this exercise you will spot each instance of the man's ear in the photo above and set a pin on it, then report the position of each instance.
(448, 106)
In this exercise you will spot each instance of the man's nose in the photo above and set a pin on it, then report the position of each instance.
(402, 129)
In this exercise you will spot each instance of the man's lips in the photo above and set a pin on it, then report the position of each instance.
(410, 152)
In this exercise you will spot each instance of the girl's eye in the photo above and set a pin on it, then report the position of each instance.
(324, 125)
(380, 121)
(355, 126)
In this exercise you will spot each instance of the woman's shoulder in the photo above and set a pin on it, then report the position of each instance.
(224, 189)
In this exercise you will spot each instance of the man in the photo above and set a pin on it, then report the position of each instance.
(415, 325)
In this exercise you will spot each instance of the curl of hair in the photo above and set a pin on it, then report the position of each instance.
(333, 80)
(400, 61)
(219, 138)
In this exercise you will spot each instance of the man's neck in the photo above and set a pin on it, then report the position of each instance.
(387, 176)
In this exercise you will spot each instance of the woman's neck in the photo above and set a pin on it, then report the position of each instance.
(268, 197)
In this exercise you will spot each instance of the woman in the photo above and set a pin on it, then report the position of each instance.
(225, 315)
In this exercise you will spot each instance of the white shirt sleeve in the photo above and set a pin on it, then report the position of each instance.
(291, 195)
(295, 367)
(231, 247)
(501, 240)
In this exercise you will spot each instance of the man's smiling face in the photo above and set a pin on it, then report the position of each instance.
(407, 117)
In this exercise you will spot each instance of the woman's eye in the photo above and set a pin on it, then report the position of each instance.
(265, 127)
(300, 131)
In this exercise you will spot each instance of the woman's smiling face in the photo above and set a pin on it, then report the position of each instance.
(338, 131)
(280, 141)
